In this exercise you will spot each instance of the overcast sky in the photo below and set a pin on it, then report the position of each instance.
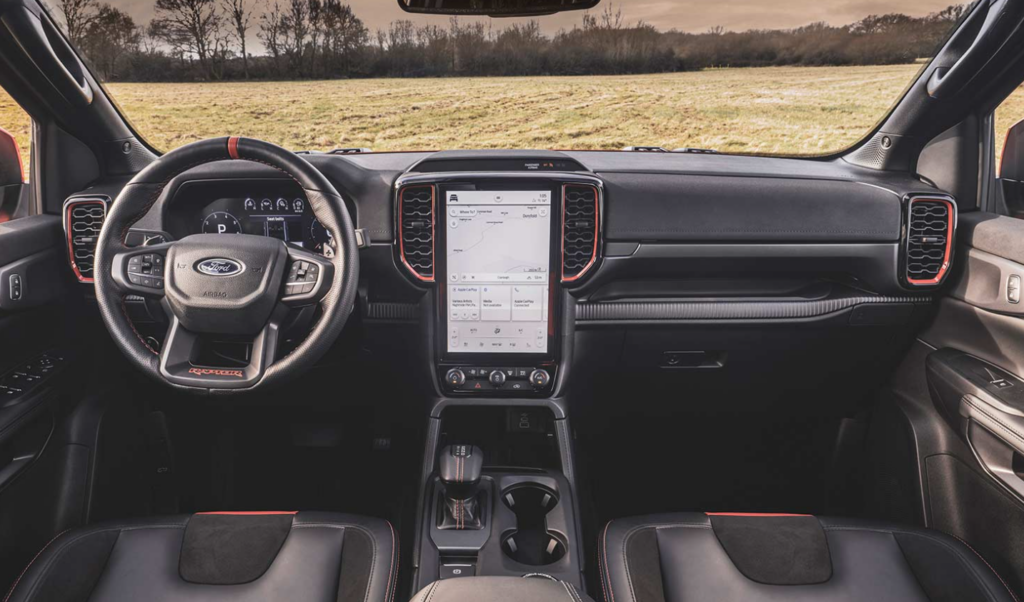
(685, 15)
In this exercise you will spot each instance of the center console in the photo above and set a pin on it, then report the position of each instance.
(498, 502)
(495, 253)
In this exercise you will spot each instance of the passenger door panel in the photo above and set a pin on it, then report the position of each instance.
(970, 436)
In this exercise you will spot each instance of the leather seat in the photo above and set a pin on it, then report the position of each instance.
(218, 557)
(755, 558)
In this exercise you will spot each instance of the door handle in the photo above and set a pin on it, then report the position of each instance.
(996, 437)
(985, 405)
(19, 452)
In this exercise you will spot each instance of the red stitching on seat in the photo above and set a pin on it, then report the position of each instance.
(394, 565)
(982, 558)
(609, 595)
(34, 558)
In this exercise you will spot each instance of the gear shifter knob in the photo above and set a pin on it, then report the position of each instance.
(459, 467)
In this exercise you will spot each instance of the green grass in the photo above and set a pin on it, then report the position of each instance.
(778, 110)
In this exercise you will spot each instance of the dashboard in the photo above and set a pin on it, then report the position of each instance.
(496, 267)
(274, 209)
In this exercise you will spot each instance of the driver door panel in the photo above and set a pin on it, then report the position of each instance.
(38, 314)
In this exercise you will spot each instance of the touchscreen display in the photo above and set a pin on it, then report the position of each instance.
(498, 255)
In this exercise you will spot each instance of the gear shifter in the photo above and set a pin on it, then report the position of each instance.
(459, 467)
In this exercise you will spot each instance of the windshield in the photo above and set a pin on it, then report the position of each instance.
(791, 77)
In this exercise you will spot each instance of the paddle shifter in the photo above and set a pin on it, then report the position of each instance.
(459, 467)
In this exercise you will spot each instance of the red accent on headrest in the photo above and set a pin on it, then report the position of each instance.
(751, 514)
(252, 513)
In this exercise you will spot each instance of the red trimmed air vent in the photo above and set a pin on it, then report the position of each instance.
(416, 230)
(579, 230)
(930, 227)
(83, 219)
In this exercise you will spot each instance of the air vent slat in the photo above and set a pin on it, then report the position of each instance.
(84, 220)
(579, 230)
(928, 230)
(416, 204)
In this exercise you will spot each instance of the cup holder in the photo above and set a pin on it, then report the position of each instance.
(531, 543)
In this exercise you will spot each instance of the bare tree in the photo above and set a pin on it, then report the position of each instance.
(315, 18)
(78, 14)
(198, 23)
(110, 39)
(239, 14)
(272, 31)
(344, 34)
(296, 29)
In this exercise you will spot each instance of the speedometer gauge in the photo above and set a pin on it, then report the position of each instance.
(221, 222)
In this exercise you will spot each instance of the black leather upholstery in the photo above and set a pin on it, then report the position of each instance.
(500, 589)
(678, 557)
(324, 557)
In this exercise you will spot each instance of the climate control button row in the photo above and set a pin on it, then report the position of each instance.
(500, 379)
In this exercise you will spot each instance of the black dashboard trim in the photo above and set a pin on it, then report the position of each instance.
(868, 266)
(724, 311)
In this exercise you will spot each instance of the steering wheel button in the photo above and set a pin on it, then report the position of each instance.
(158, 259)
(135, 278)
(134, 269)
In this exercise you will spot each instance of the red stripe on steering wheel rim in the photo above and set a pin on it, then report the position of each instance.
(233, 147)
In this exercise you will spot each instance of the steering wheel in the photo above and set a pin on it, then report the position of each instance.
(225, 284)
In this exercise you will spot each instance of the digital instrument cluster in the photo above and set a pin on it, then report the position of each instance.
(286, 218)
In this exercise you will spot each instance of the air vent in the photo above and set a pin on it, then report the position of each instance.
(83, 219)
(930, 228)
(416, 230)
(579, 230)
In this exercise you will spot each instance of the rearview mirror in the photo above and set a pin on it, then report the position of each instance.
(495, 8)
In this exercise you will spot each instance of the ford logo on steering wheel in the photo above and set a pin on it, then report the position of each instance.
(219, 266)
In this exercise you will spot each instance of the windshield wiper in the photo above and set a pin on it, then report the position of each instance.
(661, 149)
(336, 151)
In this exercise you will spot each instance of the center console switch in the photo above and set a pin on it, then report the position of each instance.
(489, 380)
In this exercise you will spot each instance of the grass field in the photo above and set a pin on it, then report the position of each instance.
(783, 110)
